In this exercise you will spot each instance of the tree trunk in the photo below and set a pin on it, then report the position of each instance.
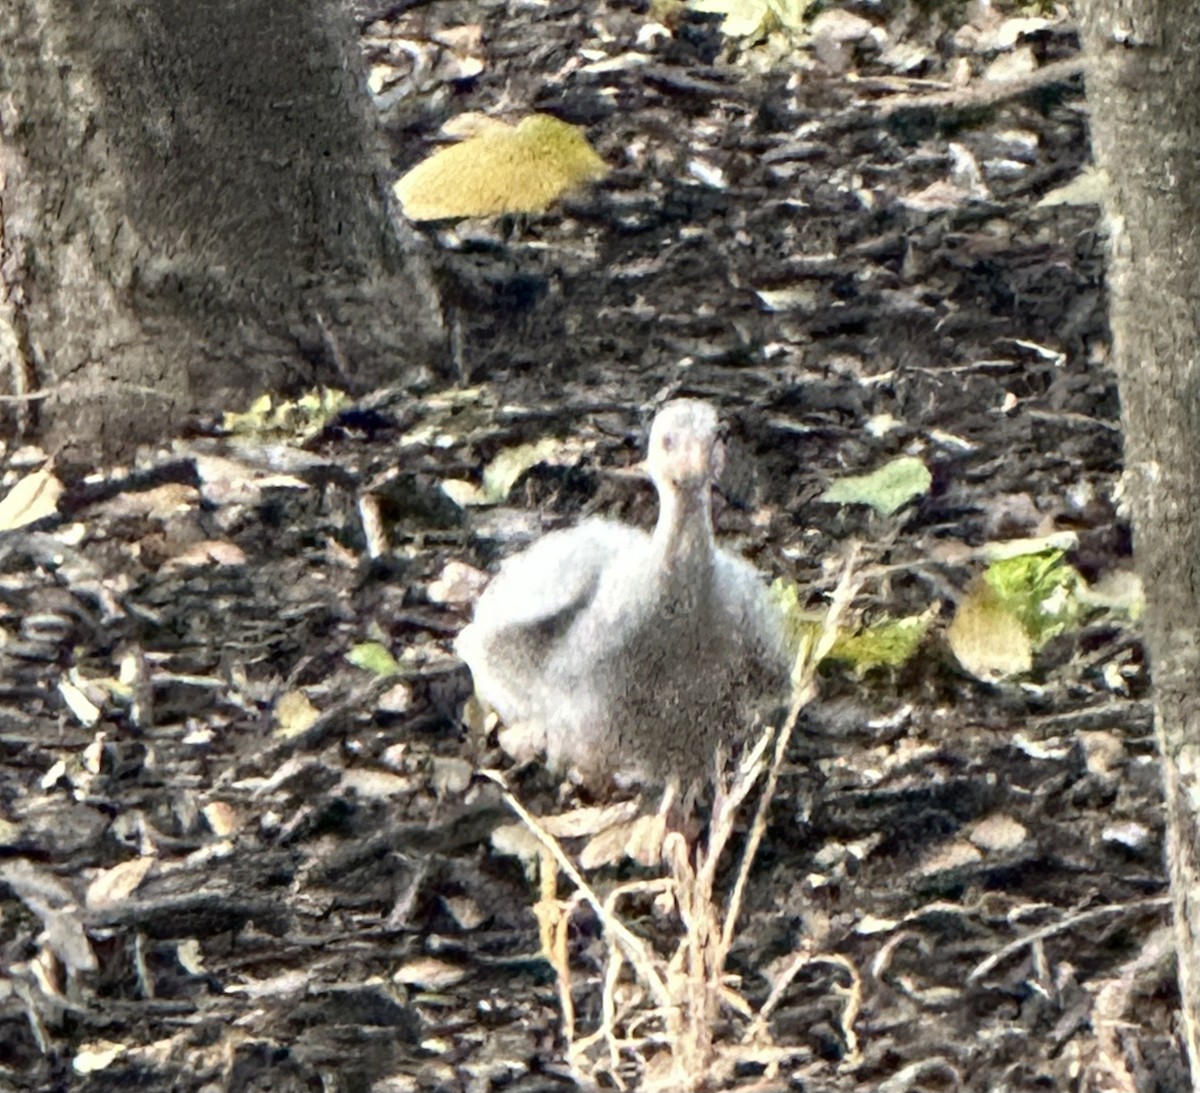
(1144, 92)
(192, 205)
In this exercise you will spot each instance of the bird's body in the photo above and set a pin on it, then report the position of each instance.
(627, 654)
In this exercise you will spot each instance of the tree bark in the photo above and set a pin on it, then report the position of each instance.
(193, 204)
(1144, 92)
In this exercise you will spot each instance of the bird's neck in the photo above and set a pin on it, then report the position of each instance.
(683, 537)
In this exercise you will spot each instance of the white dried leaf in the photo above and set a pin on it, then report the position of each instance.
(54, 904)
(294, 714)
(1131, 835)
(584, 821)
(169, 499)
(870, 925)
(190, 956)
(840, 26)
(1089, 187)
(209, 552)
(605, 848)
(430, 973)
(396, 699)
(954, 855)
(458, 584)
(222, 818)
(998, 833)
(86, 712)
(51, 778)
(1009, 32)
(113, 886)
(374, 784)
(33, 497)
(99, 1056)
(1004, 549)
(462, 492)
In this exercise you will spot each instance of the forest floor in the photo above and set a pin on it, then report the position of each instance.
(234, 857)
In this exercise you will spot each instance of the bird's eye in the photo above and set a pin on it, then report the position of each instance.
(668, 442)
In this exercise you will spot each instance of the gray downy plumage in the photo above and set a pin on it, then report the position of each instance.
(630, 655)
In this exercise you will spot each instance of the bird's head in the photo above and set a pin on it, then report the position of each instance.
(686, 452)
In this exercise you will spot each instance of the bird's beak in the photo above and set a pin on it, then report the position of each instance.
(693, 463)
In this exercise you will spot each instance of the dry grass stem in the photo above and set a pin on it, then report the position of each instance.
(1062, 925)
(757, 1031)
(658, 1013)
(804, 690)
(634, 947)
(553, 919)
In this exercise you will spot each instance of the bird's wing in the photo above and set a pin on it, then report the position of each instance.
(557, 576)
(748, 607)
(522, 618)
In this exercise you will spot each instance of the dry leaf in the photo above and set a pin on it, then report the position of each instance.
(222, 818)
(501, 474)
(589, 820)
(501, 170)
(374, 783)
(646, 838)
(474, 123)
(169, 499)
(98, 1056)
(1131, 835)
(113, 886)
(209, 552)
(430, 973)
(997, 833)
(938, 196)
(458, 585)
(1006, 549)
(1120, 591)
(987, 638)
(953, 855)
(517, 841)
(396, 699)
(54, 903)
(792, 298)
(1086, 188)
(606, 848)
(1011, 66)
(839, 26)
(1104, 753)
(225, 481)
(35, 496)
(870, 925)
(84, 709)
(190, 956)
(1006, 34)
(294, 714)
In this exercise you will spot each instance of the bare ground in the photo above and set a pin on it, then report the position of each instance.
(326, 910)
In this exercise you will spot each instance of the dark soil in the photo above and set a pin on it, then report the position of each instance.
(988, 858)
